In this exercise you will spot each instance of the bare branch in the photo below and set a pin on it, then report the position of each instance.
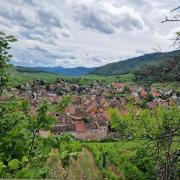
(175, 18)
(170, 20)
(175, 9)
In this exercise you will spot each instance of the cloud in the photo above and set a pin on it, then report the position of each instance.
(107, 18)
(73, 33)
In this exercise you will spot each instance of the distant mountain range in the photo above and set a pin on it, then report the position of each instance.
(121, 67)
(79, 71)
(133, 64)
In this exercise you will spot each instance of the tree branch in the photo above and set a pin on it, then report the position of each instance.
(175, 9)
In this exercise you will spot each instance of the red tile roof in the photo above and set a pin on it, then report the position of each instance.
(155, 93)
(80, 126)
(92, 109)
(71, 110)
(105, 115)
(144, 93)
(117, 85)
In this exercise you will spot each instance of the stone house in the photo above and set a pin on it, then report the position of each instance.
(85, 118)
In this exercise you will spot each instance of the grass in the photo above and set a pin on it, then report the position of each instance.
(84, 167)
(25, 77)
(89, 79)
(112, 158)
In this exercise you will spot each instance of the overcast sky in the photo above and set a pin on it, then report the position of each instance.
(89, 33)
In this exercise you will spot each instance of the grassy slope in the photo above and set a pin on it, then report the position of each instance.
(24, 77)
(118, 155)
(84, 167)
(107, 79)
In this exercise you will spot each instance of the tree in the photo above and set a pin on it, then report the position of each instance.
(42, 121)
(174, 17)
(5, 41)
(63, 104)
(20, 145)
(159, 128)
(165, 71)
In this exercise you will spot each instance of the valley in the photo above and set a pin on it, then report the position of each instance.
(88, 121)
(90, 90)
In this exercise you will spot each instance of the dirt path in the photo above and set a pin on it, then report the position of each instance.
(84, 168)
(56, 171)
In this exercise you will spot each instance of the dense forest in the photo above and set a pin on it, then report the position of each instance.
(164, 71)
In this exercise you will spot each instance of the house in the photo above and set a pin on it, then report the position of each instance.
(143, 93)
(53, 98)
(155, 93)
(135, 94)
(151, 104)
(118, 86)
(174, 96)
(79, 126)
(166, 102)
(92, 109)
(61, 129)
(85, 118)
(76, 100)
(90, 131)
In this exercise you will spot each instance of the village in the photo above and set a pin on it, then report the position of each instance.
(86, 117)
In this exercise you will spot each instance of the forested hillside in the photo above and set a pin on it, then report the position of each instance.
(168, 71)
(133, 64)
(78, 71)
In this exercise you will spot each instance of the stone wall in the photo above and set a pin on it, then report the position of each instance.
(95, 134)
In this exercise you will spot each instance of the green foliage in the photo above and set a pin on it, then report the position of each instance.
(14, 164)
(65, 157)
(36, 173)
(1, 166)
(17, 77)
(120, 155)
(65, 101)
(20, 146)
(25, 159)
(168, 71)
(101, 79)
(5, 41)
(28, 69)
(159, 127)
(118, 123)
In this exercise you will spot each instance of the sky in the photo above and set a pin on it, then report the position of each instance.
(89, 33)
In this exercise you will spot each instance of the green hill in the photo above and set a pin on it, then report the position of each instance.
(24, 77)
(168, 71)
(133, 64)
